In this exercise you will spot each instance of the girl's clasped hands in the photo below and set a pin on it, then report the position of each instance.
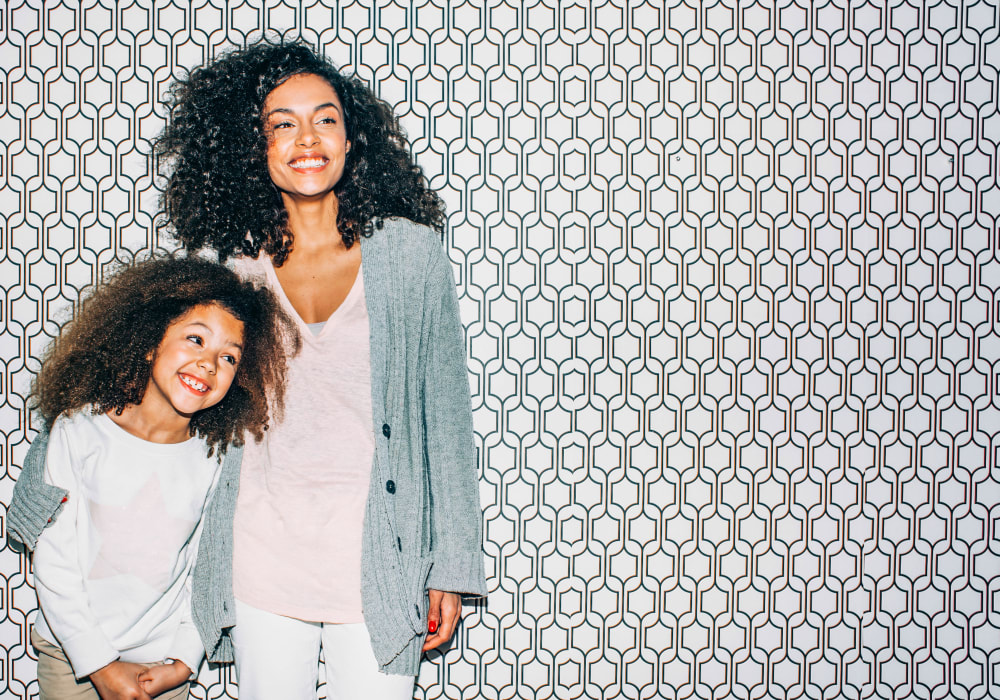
(128, 681)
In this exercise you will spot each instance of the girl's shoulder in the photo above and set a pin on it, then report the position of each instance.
(79, 421)
(87, 432)
(80, 433)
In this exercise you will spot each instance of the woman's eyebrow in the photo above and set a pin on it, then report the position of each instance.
(286, 110)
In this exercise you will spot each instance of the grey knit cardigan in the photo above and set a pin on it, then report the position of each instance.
(423, 520)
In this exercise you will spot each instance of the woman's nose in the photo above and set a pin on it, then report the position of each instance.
(307, 136)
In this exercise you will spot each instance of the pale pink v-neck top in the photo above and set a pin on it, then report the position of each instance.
(303, 490)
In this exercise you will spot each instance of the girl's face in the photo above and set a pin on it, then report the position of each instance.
(307, 137)
(194, 365)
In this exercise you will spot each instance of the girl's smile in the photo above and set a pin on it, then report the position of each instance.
(196, 386)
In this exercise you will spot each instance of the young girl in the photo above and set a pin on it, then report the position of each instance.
(146, 395)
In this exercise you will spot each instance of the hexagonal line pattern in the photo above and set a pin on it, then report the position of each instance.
(729, 275)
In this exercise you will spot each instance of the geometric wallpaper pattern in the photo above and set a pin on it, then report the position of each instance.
(731, 284)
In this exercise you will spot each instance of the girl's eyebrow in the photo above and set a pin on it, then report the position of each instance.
(211, 332)
(318, 108)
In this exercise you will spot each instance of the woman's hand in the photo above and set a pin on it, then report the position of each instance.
(442, 616)
(162, 677)
(119, 680)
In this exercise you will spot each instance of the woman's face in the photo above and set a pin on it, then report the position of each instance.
(307, 137)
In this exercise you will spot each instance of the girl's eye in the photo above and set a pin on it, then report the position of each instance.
(231, 360)
(196, 339)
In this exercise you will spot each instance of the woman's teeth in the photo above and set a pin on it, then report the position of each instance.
(305, 163)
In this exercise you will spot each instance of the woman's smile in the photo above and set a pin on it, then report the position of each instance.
(308, 163)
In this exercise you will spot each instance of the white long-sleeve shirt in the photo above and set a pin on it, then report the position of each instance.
(113, 571)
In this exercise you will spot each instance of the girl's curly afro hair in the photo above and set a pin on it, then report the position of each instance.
(104, 356)
(218, 192)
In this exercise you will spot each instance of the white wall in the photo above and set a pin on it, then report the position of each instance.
(730, 278)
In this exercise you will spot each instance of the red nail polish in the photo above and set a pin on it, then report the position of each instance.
(65, 498)
(432, 626)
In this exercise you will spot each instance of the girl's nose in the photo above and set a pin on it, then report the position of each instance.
(207, 364)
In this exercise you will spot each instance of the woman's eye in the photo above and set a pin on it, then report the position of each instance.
(327, 120)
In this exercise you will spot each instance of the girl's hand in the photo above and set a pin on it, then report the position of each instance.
(162, 677)
(119, 680)
(443, 613)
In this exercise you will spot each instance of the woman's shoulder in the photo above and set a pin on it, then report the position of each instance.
(249, 269)
(415, 245)
(399, 232)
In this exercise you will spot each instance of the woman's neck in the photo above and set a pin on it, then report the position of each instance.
(313, 222)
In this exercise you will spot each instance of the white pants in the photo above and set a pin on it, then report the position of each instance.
(277, 658)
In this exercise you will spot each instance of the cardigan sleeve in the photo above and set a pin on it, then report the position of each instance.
(213, 609)
(35, 503)
(455, 510)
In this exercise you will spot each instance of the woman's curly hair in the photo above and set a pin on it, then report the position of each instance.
(103, 357)
(218, 191)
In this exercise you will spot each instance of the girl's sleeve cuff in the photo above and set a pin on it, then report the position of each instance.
(88, 652)
(187, 647)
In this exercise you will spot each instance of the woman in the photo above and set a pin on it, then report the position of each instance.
(357, 524)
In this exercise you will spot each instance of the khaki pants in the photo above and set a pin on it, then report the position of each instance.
(57, 682)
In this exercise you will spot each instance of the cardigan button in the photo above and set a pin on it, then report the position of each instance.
(390, 486)
(386, 430)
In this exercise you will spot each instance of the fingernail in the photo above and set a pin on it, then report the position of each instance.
(432, 626)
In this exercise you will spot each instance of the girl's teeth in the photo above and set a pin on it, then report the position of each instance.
(198, 386)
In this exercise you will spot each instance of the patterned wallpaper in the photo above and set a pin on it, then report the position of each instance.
(730, 277)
